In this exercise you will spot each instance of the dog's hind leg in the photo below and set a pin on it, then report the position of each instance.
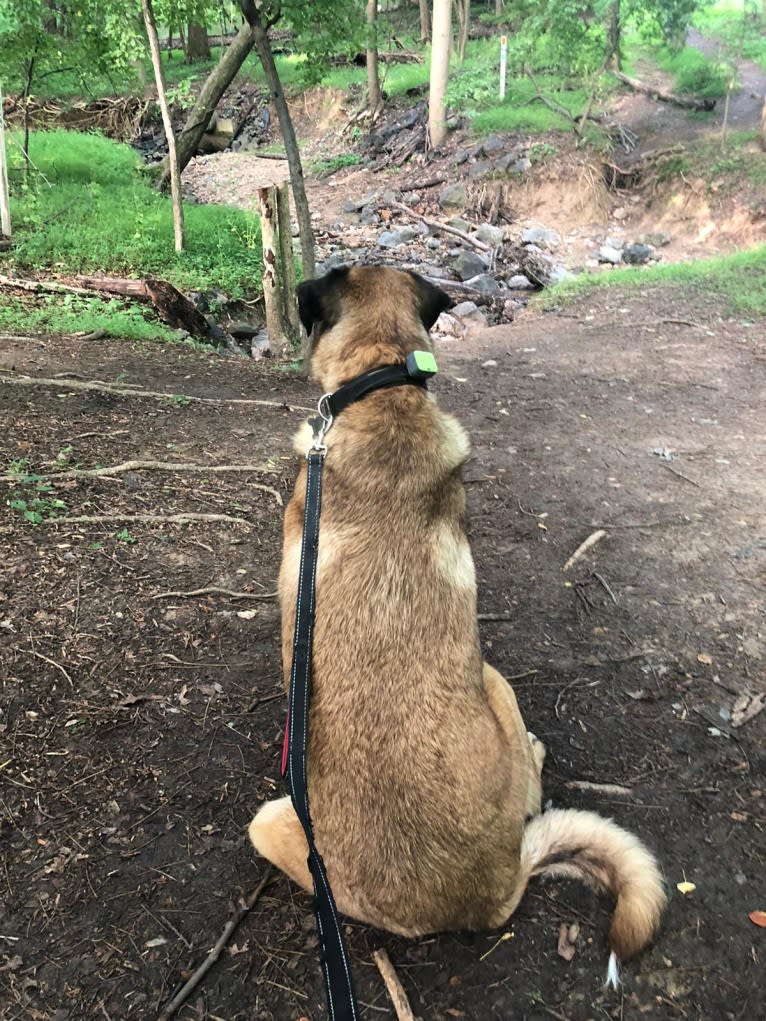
(530, 750)
(277, 834)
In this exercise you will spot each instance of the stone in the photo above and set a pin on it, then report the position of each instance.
(608, 254)
(620, 213)
(484, 283)
(459, 224)
(479, 169)
(396, 238)
(369, 215)
(469, 312)
(242, 330)
(469, 264)
(537, 234)
(453, 196)
(637, 255)
(353, 205)
(519, 282)
(490, 234)
(520, 166)
(492, 144)
(657, 239)
(559, 273)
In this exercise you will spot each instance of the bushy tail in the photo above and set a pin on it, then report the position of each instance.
(586, 846)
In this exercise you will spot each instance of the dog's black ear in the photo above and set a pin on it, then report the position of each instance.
(432, 300)
(318, 300)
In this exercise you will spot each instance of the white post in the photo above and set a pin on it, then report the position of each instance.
(503, 63)
(5, 205)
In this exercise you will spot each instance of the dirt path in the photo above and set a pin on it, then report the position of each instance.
(140, 730)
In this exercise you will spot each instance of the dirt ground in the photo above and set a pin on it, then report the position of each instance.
(142, 723)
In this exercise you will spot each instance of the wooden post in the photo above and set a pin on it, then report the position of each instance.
(272, 300)
(287, 265)
(5, 205)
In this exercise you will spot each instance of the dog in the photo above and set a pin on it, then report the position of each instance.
(425, 785)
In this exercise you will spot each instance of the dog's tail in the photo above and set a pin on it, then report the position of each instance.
(586, 846)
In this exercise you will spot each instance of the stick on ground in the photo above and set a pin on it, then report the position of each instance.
(394, 986)
(186, 990)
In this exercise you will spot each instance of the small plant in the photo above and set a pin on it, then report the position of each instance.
(181, 400)
(124, 536)
(332, 164)
(539, 152)
(38, 505)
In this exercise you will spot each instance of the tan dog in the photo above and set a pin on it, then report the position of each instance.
(423, 781)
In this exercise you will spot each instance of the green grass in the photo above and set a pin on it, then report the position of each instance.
(89, 208)
(693, 73)
(739, 280)
(739, 34)
(69, 313)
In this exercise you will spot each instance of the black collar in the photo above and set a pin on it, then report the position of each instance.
(415, 371)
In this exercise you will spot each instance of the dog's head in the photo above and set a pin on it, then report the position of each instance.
(363, 316)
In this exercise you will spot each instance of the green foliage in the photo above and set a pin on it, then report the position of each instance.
(32, 496)
(328, 165)
(739, 280)
(70, 313)
(91, 209)
(739, 26)
(694, 73)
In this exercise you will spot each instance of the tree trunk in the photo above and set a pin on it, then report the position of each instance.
(425, 21)
(218, 81)
(5, 206)
(440, 50)
(613, 55)
(287, 265)
(272, 297)
(305, 230)
(175, 173)
(463, 10)
(197, 46)
(763, 122)
(373, 78)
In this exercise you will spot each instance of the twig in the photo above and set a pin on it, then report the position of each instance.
(482, 247)
(211, 589)
(173, 519)
(52, 662)
(604, 584)
(163, 466)
(599, 788)
(118, 391)
(680, 475)
(584, 547)
(393, 985)
(188, 988)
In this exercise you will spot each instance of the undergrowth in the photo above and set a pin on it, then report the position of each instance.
(739, 280)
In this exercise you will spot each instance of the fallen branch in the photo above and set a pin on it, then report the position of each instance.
(126, 391)
(188, 988)
(436, 225)
(584, 547)
(393, 985)
(599, 788)
(214, 589)
(687, 102)
(173, 519)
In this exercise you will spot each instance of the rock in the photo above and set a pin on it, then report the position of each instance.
(433, 243)
(453, 196)
(492, 144)
(469, 264)
(490, 234)
(353, 205)
(438, 272)
(520, 166)
(334, 261)
(389, 196)
(657, 239)
(620, 213)
(447, 327)
(484, 283)
(479, 169)
(636, 255)
(469, 312)
(613, 242)
(459, 224)
(490, 363)
(369, 215)
(519, 282)
(560, 273)
(395, 238)
(509, 309)
(608, 254)
(460, 157)
(536, 235)
(243, 330)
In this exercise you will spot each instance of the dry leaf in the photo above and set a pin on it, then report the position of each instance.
(746, 707)
(704, 658)
(685, 887)
(758, 918)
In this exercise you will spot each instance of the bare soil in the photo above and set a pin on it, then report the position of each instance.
(142, 729)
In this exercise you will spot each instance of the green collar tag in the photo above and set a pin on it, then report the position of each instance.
(421, 365)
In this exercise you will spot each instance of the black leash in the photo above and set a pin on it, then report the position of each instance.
(339, 986)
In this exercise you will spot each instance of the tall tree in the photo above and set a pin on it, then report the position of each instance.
(197, 45)
(260, 26)
(373, 78)
(425, 21)
(217, 82)
(170, 135)
(441, 42)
